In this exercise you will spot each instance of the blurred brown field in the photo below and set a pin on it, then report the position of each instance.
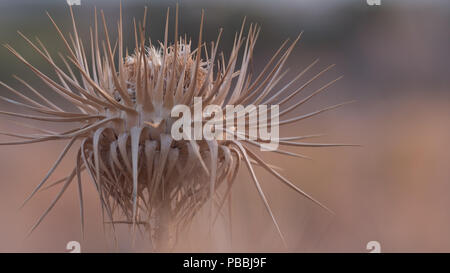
(394, 188)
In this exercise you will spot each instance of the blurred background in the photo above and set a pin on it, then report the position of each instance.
(394, 189)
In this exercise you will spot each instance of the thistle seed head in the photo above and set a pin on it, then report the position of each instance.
(144, 176)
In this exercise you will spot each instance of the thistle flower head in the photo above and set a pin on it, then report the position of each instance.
(124, 102)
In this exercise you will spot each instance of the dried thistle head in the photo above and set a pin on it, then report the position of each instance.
(144, 176)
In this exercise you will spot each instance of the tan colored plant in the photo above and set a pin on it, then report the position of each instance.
(142, 175)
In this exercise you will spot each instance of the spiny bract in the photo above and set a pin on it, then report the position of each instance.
(142, 175)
